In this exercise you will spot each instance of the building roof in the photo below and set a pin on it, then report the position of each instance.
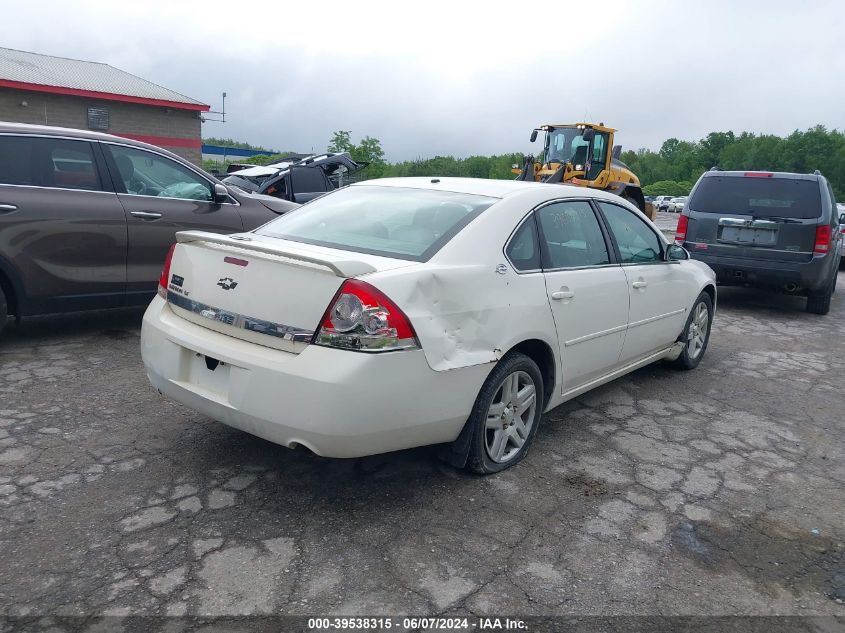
(60, 75)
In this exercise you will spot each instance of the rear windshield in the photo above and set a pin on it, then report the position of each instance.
(390, 221)
(759, 197)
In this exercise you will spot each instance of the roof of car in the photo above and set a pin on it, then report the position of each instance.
(68, 132)
(483, 186)
(774, 174)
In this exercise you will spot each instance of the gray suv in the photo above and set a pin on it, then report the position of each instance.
(771, 229)
(86, 219)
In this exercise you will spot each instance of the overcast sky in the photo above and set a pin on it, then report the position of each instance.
(458, 78)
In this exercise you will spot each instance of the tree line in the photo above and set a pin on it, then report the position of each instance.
(672, 170)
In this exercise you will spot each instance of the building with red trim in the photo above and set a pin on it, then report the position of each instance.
(49, 90)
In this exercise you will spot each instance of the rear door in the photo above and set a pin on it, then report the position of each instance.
(161, 196)
(755, 215)
(62, 232)
(307, 183)
(657, 289)
(587, 290)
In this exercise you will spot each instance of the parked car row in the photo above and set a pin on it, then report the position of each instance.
(314, 326)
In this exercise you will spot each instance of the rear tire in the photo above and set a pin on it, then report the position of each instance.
(696, 334)
(4, 310)
(820, 304)
(505, 415)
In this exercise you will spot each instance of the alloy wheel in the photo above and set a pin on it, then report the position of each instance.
(510, 417)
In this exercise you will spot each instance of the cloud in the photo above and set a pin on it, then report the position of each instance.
(466, 78)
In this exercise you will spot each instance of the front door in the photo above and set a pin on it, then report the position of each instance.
(587, 291)
(161, 196)
(656, 287)
(62, 232)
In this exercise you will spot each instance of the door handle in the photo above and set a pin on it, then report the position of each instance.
(8, 208)
(146, 215)
(562, 294)
(639, 284)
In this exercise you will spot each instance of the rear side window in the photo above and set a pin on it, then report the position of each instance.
(571, 236)
(759, 197)
(48, 162)
(391, 221)
(523, 250)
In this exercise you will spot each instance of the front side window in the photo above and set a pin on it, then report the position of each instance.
(391, 221)
(147, 174)
(566, 144)
(638, 244)
(48, 162)
(570, 235)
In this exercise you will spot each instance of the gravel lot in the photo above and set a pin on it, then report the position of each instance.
(716, 491)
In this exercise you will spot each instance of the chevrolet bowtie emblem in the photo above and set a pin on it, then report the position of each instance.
(227, 283)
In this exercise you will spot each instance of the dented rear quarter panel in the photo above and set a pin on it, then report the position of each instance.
(465, 312)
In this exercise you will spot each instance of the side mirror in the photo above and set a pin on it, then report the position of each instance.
(676, 252)
(221, 194)
(533, 135)
(589, 134)
(842, 218)
(616, 152)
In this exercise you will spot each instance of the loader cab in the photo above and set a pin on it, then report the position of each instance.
(586, 148)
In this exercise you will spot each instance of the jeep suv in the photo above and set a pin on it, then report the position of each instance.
(769, 229)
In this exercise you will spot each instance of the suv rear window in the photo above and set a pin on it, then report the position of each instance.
(758, 197)
(390, 221)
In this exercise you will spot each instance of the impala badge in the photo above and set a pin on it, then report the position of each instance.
(227, 283)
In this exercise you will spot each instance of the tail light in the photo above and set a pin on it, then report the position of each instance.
(362, 318)
(165, 273)
(681, 230)
(758, 174)
(823, 235)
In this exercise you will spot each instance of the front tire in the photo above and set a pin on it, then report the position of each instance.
(696, 333)
(505, 415)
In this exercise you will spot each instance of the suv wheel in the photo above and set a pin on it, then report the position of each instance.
(4, 310)
(820, 304)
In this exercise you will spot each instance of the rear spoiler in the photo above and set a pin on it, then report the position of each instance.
(340, 267)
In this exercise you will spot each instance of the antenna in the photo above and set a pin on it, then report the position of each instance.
(221, 112)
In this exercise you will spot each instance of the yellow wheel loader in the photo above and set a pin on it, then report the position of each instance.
(583, 154)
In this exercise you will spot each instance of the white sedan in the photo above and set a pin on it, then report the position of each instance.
(412, 311)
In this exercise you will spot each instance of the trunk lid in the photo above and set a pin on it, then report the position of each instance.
(265, 290)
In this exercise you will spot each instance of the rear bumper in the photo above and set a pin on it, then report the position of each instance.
(809, 276)
(336, 403)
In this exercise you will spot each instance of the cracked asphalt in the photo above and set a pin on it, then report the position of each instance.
(712, 492)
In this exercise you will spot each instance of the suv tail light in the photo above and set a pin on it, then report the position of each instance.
(362, 318)
(681, 230)
(165, 273)
(823, 235)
